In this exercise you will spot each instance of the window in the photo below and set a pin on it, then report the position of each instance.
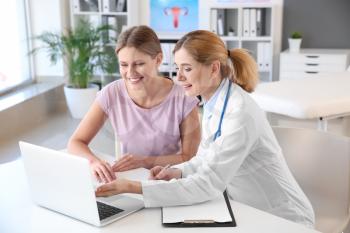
(14, 59)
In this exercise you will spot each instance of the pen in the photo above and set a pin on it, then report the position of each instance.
(163, 169)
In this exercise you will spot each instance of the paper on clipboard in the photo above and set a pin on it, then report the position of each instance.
(211, 211)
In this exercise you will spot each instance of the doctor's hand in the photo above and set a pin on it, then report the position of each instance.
(164, 173)
(102, 171)
(119, 186)
(128, 162)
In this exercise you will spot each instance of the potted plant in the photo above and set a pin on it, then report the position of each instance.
(295, 42)
(82, 55)
(110, 66)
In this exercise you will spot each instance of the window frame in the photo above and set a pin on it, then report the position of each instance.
(27, 27)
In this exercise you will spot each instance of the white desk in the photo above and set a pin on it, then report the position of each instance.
(18, 214)
(323, 97)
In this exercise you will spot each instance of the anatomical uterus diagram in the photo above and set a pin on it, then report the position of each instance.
(175, 12)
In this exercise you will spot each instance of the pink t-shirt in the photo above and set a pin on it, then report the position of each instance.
(148, 132)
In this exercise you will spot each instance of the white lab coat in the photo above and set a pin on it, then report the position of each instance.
(246, 160)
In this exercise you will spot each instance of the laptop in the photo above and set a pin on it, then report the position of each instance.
(64, 183)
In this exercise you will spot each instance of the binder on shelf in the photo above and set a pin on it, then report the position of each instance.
(252, 18)
(120, 5)
(213, 20)
(264, 56)
(166, 53)
(220, 22)
(260, 13)
(267, 56)
(89, 5)
(214, 213)
(260, 56)
(165, 66)
(112, 34)
(105, 6)
(246, 30)
(76, 6)
(172, 64)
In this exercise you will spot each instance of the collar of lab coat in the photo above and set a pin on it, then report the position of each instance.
(211, 124)
(210, 104)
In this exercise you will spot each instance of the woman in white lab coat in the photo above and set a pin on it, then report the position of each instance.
(238, 151)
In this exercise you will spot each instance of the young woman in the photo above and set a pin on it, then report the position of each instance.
(155, 122)
(238, 151)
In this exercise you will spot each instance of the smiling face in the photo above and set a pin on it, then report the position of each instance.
(196, 78)
(137, 68)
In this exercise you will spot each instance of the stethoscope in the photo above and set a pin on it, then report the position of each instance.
(218, 131)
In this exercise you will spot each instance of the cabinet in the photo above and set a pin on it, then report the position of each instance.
(311, 62)
(252, 26)
(119, 14)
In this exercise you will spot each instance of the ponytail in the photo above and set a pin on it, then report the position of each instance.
(245, 69)
(206, 47)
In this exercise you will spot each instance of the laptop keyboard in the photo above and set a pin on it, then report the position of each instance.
(105, 211)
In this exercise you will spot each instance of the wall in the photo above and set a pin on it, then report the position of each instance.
(31, 113)
(323, 23)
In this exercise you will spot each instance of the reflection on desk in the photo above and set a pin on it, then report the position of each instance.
(18, 214)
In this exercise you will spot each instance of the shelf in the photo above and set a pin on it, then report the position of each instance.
(230, 38)
(253, 25)
(260, 38)
(86, 13)
(257, 5)
(236, 5)
(237, 38)
(114, 13)
(119, 15)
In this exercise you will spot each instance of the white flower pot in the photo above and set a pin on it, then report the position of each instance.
(80, 100)
(294, 45)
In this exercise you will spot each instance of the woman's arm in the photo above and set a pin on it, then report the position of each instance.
(79, 141)
(190, 139)
(223, 158)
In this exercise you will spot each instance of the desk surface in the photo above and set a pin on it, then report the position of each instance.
(18, 214)
(307, 98)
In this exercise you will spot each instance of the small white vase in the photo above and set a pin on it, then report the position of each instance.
(80, 100)
(294, 45)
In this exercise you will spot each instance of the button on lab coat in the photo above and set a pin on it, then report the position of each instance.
(246, 160)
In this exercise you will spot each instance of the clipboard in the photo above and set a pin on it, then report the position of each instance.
(200, 215)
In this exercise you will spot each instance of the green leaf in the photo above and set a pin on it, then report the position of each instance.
(80, 49)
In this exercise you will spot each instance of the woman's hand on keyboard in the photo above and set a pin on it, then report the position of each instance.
(102, 170)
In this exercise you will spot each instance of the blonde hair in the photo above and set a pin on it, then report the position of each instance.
(206, 47)
(143, 38)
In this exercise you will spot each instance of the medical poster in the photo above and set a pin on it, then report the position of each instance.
(174, 16)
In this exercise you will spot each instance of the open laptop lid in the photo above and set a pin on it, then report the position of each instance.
(60, 182)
